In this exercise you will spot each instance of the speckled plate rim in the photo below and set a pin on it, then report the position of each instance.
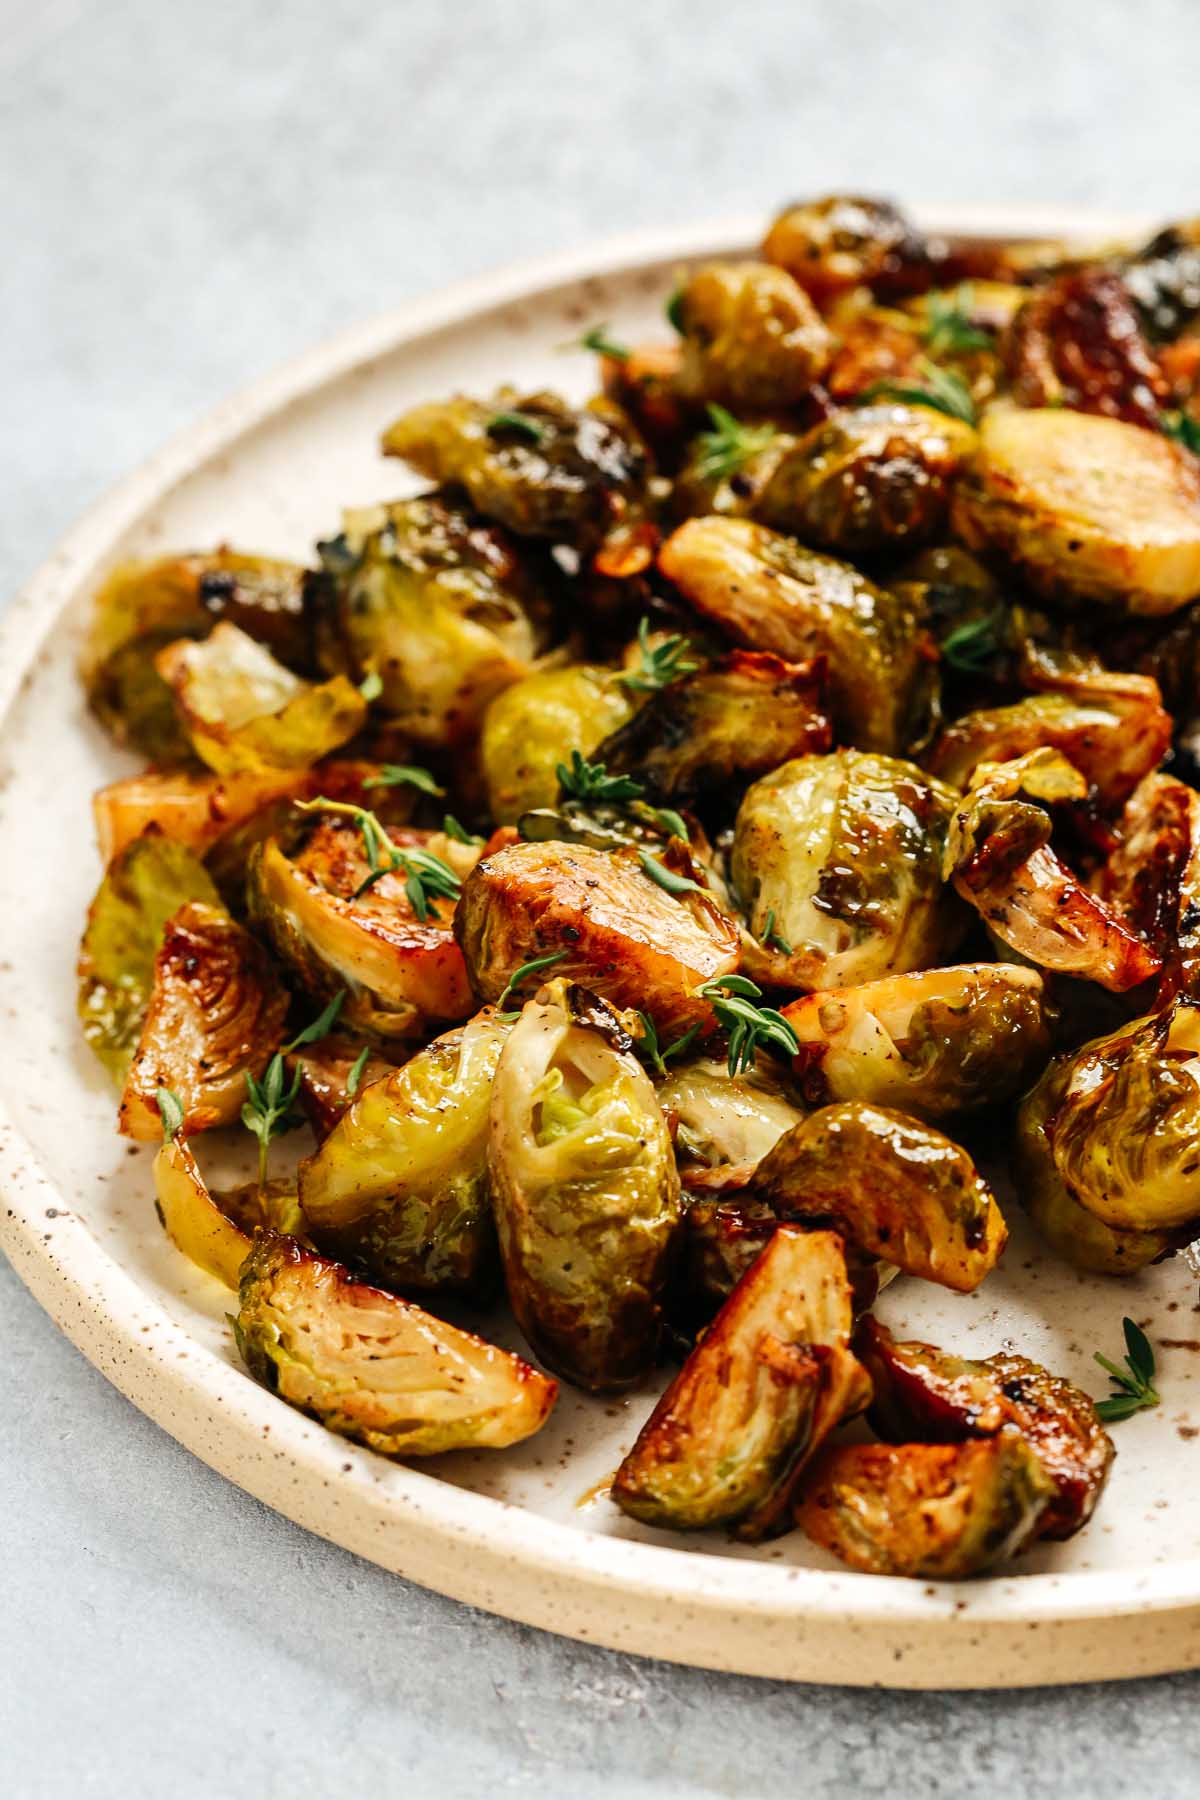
(747, 1617)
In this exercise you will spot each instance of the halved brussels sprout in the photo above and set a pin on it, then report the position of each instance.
(215, 1015)
(399, 1188)
(756, 1398)
(536, 723)
(599, 919)
(376, 1368)
(721, 1120)
(701, 738)
(868, 479)
(925, 1395)
(770, 593)
(530, 462)
(941, 1512)
(245, 713)
(727, 468)
(1077, 342)
(843, 241)
(194, 810)
(142, 888)
(332, 1074)
(1086, 507)
(1153, 877)
(893, 1187)
(403, 973)
(720, 1239)
(751, 337)
(585, 1190)
(933, 1043)
(643, 385)
(191, 1217)
(838, 863)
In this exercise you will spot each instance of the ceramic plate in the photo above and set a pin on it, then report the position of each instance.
(528, 1532)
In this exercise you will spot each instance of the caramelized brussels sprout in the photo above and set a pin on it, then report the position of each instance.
(756, 1398)
(191, 1217)
(721, 1120)
(530, 462)
(751, 337)
(194, 810)
(143, 888)
(1164, 278)
(1153, 878)
(837, 860)
(332, 1073)
(941, 1512)
(727, 468)
(841, 242)
(375, 1368)
(600, 919)
(215, 1015)
(585, 1190)
(1077, 342)
(891, 1186)
(1085, 507)
(768, 592)
(924, 1395)
(533, 726)
(933, 1043)
(399, 1187)
(644, 385)
(875, 343)
(244, 713)
(720, 1239)
(868, 479)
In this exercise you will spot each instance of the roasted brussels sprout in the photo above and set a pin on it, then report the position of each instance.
(585, 1190)
(924, 1395)
(1086, 508)
(892, 1187)
(870, 479)
(837, 861)
(533, 726)
(399, 1188)
(215, 1015)
(598, 918)
(1164, 278)
(756, 1398)
(727, 468)
(191, 1217)
(751, 337)
(941, 1512)
(934, 1043)
(332, 1073)
(768, 592)
(719, 1240)
(143, 888)
(1153, 878)
(643, 384)
(374, 1367)
(843, 241)
(1077, 342)
(721, 1120)
(194, 810)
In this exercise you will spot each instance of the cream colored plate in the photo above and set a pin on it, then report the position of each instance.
(514, 1532)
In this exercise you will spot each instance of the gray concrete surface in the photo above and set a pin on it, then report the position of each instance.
(190, 190)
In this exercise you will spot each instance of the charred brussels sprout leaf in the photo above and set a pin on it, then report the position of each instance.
(751, 337)
(1153, 877)
(191, 1217)
(533, 726)
(332, 1074)
(1077, 343)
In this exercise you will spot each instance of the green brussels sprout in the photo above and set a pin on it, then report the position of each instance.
(1153, 878)
(214, 1015)
(933, 1043)
(585, 1190)
(838, 863)
(532, 463)
(870, 479)
(376, 1368)
(769, 593)
(893, 1187)
(399, 1187)
(245, 713)
(726, 468)
(926, 1396)
(751, 337)
(938, 1512)
(333, 1072)
(772, 1376)
(727, 1121)
(841, 242)
(142, 889)
(534, 725)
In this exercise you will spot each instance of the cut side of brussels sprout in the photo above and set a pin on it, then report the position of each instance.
(843, 241)
(332, 1074)
(585, 1190)
(193, 810)
(535, 724)
(934, 1043)
(1086, 507)
(773, 1375)
(399, 1187)
(1077, 342)
(721, 1120)
(215, 1015)
(893, 1187)
(191, 1217)
(605, 923)
(1153, 878)
(376, 1368)
(244, 713)
(941, 1512)
(751, 337)
(768, 592)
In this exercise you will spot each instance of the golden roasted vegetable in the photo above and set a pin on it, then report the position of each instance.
(756, 1398)
(597, 918)
(751, 337)
(727, 468)
(533, 726)
(332, 1073)
(585, 1190)
(194, 810)
(215, 1015)
(399, 1187)
(892, 1187)
(374, 1367)
(838, 864)
(721, 1120)
(843, 241)
(1086, 507)
(941, 1512)
(769, 593)
(191, 1217)
(934, 1043)
(1153, 878)
(1077, 342)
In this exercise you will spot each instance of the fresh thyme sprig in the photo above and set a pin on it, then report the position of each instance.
(658, 1056)
(660, 663)
(270, 1109)
(970, 646)
(772, 937)
(460, 834)
(941, 389)
(427, 876)
(170, 1111)
(598, 339)
(1134, 1384)
(517, 424)
(583, 780)
(405, 775)
(518, 976)
(750, 1027)
(948, 327)
(730, 445)
(356, 1071)
(667, 879)
(371, 685)
(674, 309)
(1184, 429)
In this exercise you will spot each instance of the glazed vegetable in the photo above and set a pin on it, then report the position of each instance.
(193, 810)
(191, 1217)
(841, 242)
(1153, 877)
(1077, 342)
(585, 1190)
(332, 1074)
(727, 1121)
(773, 1375)
(751, 337)
(374, 1367)
(533, 726)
